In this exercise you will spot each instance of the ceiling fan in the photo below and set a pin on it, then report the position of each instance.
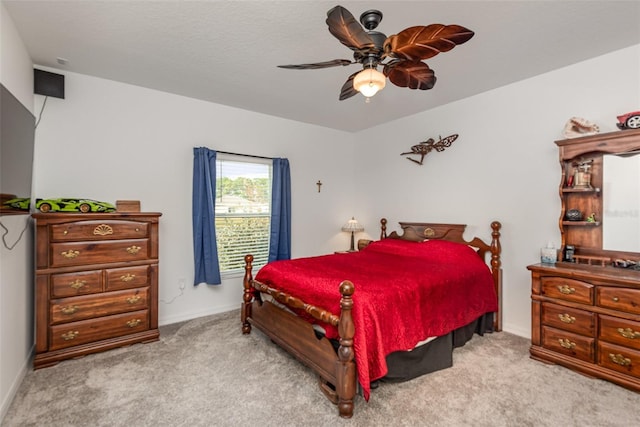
(404, 52)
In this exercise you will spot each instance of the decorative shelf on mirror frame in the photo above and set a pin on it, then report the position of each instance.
(581, 190)
(582, 223)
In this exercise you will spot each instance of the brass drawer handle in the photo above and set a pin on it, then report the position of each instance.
(127, 277)
(565, 289)
(70, 254)
(102, 230)
(134, 299)
(566, 318)
(70, 335)
(133, 249)
(619, 359)
(69, 310)
(77, 284)
(629, 333)
(133, 323)
(615, 299)
(564, 342)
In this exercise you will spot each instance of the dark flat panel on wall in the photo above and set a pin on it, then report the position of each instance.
(48, 84)
(17, 135)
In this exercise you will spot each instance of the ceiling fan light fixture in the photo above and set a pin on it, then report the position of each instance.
(406, 50)
(369, 81)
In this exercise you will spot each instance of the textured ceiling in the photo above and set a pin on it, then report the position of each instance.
(227, 51)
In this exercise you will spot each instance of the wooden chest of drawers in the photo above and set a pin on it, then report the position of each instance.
(96, 284)
(587, 318)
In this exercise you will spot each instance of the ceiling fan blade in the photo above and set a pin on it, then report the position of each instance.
(316, 65)
(411, 74)
(348, 90)
(416, 43)
(345, 28)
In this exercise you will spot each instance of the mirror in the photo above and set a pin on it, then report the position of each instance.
(621, 200)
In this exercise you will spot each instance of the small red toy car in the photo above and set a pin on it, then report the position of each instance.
(629, 121)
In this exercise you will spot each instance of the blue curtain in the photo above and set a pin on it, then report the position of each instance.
(280, 239)
(205, 250)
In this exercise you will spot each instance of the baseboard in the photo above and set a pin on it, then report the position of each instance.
(524, 333)
(15, 385)
(195, 314)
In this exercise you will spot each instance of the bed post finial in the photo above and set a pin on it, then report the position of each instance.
(496, 270)
(346, 377)
(383, 228)
(247, 296)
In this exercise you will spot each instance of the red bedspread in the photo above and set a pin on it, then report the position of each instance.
(404, 293)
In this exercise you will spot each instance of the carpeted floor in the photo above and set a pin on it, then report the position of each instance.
(206, 373)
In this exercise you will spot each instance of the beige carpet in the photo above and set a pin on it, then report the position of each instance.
(206, 373)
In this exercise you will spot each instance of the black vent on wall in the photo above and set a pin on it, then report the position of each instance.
(48, 84)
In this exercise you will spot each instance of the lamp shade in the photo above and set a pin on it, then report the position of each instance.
(369, 81)
(353, 226)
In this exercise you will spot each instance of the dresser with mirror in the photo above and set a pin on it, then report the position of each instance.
(585, 308)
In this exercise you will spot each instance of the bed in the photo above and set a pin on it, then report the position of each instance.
(393, 310)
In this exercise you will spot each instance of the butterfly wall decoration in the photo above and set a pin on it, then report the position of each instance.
(423, 148)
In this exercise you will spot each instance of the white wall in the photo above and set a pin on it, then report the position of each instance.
(110, 141)
(16, 265)
(16, 66)
(503, 166)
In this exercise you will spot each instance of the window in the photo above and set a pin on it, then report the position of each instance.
(243, 212)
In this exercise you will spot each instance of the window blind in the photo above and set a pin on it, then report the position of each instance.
(243, 212)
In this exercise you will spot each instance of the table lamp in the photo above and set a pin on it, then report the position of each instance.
(352, 227)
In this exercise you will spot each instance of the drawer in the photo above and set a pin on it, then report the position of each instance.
(125, 278)
(85, 307)
(568, 343)
(621, 299)
(569, 319)
(85, 253)
(567, 289)
(619, 358)
(71, 284)
(86, 331)
(99, 230)
(620, 331)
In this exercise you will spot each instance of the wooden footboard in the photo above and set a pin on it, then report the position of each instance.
(298, 337)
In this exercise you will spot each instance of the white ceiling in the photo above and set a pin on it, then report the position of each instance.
(226, 52)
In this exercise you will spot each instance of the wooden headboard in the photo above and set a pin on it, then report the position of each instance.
(421, 231)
